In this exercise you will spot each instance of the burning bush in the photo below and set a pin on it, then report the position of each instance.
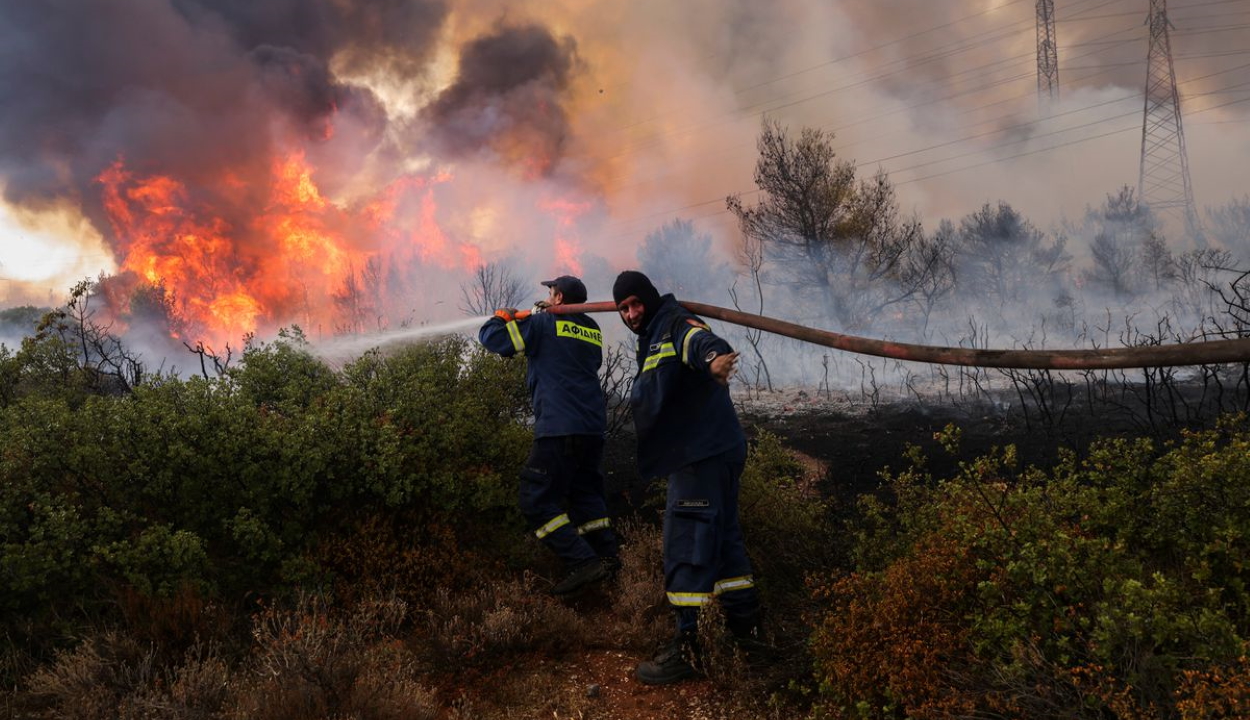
(1109, 584)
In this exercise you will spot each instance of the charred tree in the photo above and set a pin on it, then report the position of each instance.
(493, 286)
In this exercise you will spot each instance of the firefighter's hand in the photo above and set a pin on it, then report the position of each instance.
(511, 314)
(723, 367)
(541, 305)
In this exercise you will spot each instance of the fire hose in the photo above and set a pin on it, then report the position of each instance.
(1209, 352)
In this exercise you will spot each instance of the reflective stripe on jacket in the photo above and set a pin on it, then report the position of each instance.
(681, 414)
(564, 353)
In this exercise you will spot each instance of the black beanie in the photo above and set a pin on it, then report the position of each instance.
(632, 282)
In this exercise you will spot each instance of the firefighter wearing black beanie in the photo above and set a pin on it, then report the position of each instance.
(635, 284)
(689, 434)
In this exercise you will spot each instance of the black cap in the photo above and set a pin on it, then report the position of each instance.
(573, 289)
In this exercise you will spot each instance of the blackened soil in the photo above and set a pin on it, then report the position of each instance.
(855, 444)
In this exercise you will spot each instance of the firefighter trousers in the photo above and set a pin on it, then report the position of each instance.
(562, 497)
(705, 558)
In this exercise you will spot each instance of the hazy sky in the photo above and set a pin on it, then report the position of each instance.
(645, 111)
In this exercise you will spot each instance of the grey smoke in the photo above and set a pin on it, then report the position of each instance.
(509, 85)
(186, 87)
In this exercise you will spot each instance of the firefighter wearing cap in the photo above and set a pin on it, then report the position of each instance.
(561, 489)
(688, 433)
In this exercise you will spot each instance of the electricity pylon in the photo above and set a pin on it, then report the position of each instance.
(1163, 181)
(1047, 57)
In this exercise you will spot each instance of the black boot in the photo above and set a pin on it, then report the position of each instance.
(674, 663)
(585, 573)
(750, 626)
(748, 636)
(612, 564)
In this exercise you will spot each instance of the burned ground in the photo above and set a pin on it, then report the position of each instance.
(854, 442)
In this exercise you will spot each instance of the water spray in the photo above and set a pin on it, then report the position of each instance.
(1195, 353)
(342, 349)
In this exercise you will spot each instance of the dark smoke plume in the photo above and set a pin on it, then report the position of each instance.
(507, 97)
(187, 87)
(395, 34)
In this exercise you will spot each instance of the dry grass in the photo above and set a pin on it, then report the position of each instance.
(503, 649)
(312, 663)
(492, 623)
(306, 663)
(92, 680)
(639, 613)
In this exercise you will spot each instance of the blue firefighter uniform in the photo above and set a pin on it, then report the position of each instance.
(689, 432)
(561, 491)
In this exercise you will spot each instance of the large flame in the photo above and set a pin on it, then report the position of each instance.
(233, 268)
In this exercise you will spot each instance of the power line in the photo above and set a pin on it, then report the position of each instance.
(980, 88)
(975, 71)
(978, 70)
(770, 106)
(1061, 145)
(844, 58)
(885, 45)
(1078, 16)
(1027, 124)
(982, 151)
(1056, 132)
(1205, 31)
(907, 63)
(1020, 155)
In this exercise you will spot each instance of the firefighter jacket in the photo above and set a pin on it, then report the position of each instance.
(564, 352)
(681, 414)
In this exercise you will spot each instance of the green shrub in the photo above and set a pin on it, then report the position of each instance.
(788, 535)
(783, 520)
(233, 485)
(1094, 588)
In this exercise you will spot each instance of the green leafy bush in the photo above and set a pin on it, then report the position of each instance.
(1095, 588)
(786, 528)
(232, 486)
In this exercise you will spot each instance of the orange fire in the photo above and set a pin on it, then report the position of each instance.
(568, 248)
(232, 268)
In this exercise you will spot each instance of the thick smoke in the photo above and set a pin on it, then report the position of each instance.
(363, 34)
(188, 88)
(507, 98)
(653, 106)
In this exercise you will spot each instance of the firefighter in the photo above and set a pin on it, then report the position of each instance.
(561, 489)
(688, 433)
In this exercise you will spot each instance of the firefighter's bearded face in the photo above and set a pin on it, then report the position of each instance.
(633, 313)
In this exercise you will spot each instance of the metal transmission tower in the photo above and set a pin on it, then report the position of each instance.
(1163, 182)
(1047, 56)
